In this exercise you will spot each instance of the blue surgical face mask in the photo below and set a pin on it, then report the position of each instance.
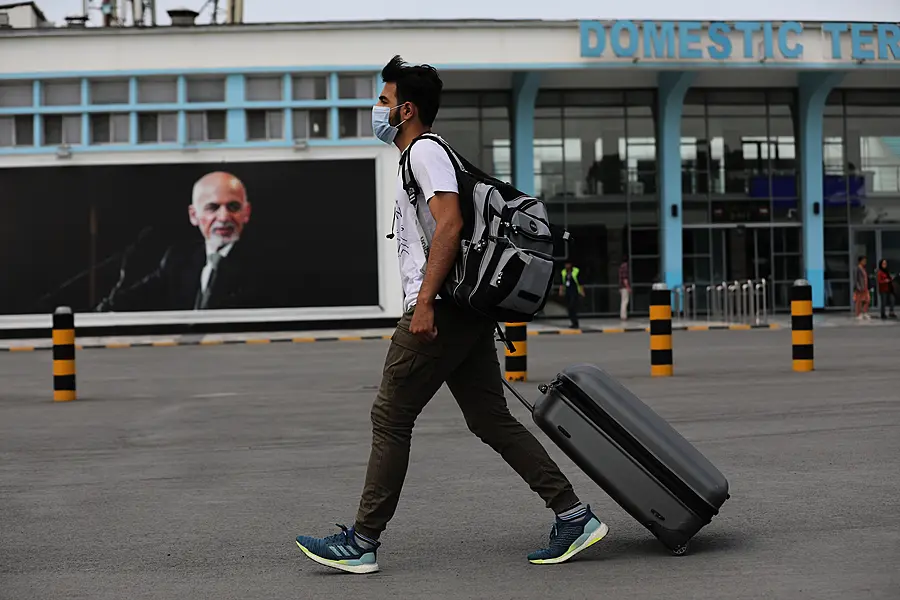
(381, 124)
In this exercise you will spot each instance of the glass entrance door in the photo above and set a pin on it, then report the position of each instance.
(713, 255)
(875, 245)
(742, 253)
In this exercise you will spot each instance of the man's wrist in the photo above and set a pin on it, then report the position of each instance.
(425, 301)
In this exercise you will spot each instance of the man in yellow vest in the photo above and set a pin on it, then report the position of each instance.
(571, 289)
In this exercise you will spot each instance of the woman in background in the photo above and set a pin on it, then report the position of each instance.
(884, 288)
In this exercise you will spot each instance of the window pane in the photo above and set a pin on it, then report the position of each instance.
(644, 270)
(72, 129)
(53, 125)
(837, 239)
(301, 124)
(16, 94)
(215, 126)
(196, 127)
(148, 128)
(787, 240)
(121, 124)
(837, 266)
(168, 126)
(365, 123)
(318, 123)
(24, 130)
(206, 90)
(109, 92)
(7, 132)
(256, 125)
(157, 90)
(100, 128)
(644, 242)
(356, 86)
(787, 268)
(309, 88)
(61, 93)
(263, 89)
(348, 122)
(695, 241)
(276, 125)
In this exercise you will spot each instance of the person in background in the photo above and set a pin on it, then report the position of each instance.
(861, 295)
(571, 289)
(886, 294)
(624, 288)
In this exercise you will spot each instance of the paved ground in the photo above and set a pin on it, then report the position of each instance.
(186, 472)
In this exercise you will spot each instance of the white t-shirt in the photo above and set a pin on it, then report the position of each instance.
(433, 172)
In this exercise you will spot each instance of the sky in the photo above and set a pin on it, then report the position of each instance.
(350, 10)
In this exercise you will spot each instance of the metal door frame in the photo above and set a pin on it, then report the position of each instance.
(771, 226)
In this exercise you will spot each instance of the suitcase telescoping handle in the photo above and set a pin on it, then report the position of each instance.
(528, 405)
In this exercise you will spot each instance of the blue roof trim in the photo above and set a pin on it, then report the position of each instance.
(188, 148)
(586, 64)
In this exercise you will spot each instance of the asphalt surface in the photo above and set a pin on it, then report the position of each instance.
(187, 472)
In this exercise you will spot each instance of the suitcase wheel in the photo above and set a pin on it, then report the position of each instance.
(680, 550)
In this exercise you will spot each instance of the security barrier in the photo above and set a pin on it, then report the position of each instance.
(660, 331)
(684, 299)
(744, 302)
(517, 361)
(802, 326)
(63, 354)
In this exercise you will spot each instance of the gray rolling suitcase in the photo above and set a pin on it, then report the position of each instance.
(631, 452)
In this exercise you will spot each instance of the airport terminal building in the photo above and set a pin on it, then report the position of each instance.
(705, 152)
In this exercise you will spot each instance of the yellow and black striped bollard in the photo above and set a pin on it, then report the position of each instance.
(517, 362)
(63, 354)
(802, 326)
(660, 331)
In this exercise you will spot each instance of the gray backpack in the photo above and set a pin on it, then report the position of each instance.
(504, 270)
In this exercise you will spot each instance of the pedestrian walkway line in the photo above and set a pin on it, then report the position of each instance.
(256, 339)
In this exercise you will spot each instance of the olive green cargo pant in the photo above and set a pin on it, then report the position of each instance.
(464, 356)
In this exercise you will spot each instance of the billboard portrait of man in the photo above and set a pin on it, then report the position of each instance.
(218, 270)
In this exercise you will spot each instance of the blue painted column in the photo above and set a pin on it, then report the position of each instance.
(36, 101)
(525, 91)
(813, 89)
(85, 116)
(236, 118)
(334, 113)
(133, 134)
(673, 85)
(182, 115)
(287, 92)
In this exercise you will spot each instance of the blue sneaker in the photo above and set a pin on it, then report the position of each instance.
(568, 538)
(340, 551)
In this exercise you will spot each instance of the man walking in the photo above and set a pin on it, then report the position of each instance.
(435, 342)
(572, 290)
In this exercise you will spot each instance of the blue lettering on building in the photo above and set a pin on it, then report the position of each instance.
(685, 40)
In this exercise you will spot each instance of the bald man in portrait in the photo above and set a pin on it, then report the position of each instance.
(220, 270)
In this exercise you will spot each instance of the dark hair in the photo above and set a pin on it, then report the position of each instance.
(860, 259)
(419, 85)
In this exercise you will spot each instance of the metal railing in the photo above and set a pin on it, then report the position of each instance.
(744, 302)
(684, 302)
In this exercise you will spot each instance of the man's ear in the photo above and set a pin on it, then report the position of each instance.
(248, 209)
(192, 215)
